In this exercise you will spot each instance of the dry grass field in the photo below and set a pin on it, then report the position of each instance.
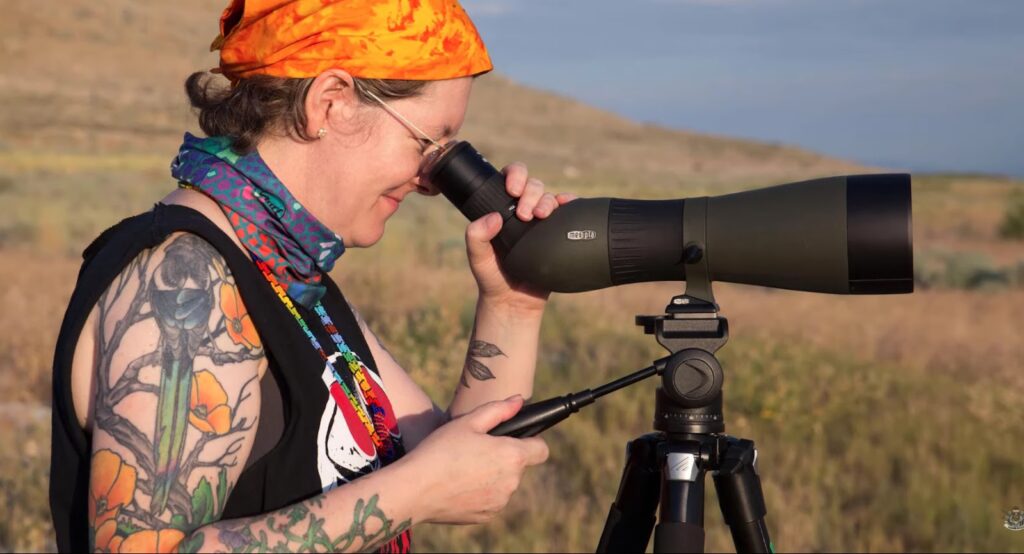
(887, 423)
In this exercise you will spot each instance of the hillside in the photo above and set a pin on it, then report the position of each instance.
(106, 77)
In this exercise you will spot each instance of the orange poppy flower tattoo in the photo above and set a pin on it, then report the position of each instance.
(239, 325)
(208, 404)
(113, 486)
(149, 540)
(106, 539)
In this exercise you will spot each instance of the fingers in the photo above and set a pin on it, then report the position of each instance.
(532, 194)
(484, 228)
(564, 198)
(545, 205)
(535, 450)
(549, 202)
(478, 237)
(533, 201)
(515, 178)
(488, 416)
(527, 189)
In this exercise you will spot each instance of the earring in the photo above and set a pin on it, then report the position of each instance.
(321, 133)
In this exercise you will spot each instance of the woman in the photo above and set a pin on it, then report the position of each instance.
(213, 390)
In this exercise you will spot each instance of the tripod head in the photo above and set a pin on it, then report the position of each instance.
(689, 400)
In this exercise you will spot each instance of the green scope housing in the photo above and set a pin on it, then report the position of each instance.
(843, 235)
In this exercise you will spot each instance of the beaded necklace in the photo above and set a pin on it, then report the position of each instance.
(370, 412)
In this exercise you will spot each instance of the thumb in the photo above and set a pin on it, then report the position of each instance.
(480, 232)
(489, 415)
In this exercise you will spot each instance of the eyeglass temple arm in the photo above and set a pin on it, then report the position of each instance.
(403, 119)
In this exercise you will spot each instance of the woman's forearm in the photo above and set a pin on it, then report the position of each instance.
(501, 359)
(357, 516)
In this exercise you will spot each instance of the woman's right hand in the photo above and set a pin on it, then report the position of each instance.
(468, 476)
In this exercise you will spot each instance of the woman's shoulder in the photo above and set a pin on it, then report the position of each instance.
(179, 213)
(162, 245)
(170, 266)
(193, 205)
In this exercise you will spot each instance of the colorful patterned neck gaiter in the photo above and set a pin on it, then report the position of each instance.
(269, 221)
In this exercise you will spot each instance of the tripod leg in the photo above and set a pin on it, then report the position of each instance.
(741, 498)
(631, 517)
(681, 519)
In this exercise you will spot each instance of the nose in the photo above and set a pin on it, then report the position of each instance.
(425, 187)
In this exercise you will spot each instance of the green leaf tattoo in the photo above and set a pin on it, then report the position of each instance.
(222, 489)
(202, 503)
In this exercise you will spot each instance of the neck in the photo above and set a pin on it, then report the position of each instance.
(300, 166)
(294, 165)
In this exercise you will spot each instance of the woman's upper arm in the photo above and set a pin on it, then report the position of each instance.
(416, 413)
(177, 397)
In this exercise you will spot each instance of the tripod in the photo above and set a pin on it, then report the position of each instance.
(665, 470)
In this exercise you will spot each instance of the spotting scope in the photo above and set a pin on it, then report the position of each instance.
(845, 235)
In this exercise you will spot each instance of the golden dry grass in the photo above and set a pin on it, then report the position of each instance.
(884, 423)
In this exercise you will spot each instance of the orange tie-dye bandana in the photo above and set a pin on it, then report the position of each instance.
(382, 39)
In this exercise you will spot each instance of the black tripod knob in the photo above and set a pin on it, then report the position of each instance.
(693, 379)
(689, 399)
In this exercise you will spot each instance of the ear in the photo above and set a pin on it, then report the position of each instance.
(331, 97)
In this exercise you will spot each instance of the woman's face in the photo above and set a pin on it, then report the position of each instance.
(370, 170)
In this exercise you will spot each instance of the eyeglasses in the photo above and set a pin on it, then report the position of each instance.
(429, 156)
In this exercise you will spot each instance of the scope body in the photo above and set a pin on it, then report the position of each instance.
(843, 235)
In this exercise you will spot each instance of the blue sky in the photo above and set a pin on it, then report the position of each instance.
(925, 85)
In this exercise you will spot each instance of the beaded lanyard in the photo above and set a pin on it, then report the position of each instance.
(371, 417)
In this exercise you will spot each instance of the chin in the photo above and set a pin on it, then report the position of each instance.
(365, 238)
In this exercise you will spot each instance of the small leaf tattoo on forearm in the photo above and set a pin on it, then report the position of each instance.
(475, 368)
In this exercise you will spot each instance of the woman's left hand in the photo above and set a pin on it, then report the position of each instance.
(495, 287)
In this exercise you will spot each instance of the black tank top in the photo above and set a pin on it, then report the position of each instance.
(303, 445)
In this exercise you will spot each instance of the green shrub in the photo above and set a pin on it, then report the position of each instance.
(1012, 226)
(964, 270)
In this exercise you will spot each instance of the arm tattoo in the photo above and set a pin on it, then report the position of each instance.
(196, 428)
(299, 529)
(475, 368)
(178, 297)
